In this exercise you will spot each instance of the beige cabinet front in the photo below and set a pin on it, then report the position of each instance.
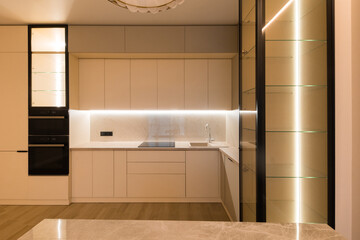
(155, 174)
(91, 84)
(144, 84)
(117, 84)
(231, 187)
(81, 174)
(171, 84)
(103, 173)
(13, 175)
(202, 174)
(14, 101)
(196, 84)
(220, 84)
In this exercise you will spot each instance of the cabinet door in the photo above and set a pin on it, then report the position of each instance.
(81, 173)
(144, 84)
(117, 84)
(13, 101)
(103, 173)
(171, 84)
(231, 188)
(202, 174)
(119, 173)
(48, 187)
(196, 84)
(220, 84)
(91, 84)
(13, 175)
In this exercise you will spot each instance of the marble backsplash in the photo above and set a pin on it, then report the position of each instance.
(165, 126)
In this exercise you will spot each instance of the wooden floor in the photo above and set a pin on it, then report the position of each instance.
(16, 220)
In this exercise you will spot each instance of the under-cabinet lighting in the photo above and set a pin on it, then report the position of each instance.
(297, 114)
(278, 14)
(247, 112)
(155, 112)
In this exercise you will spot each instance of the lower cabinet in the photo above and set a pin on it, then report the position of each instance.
(106, 174)
(19, 188)
(156, 174)
(202, 174)
(13, 175)
(231, 187)
(98, 174)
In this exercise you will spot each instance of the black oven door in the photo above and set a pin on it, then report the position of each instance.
(48, 159)
(48, 126)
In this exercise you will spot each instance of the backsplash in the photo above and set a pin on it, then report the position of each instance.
(164, 126)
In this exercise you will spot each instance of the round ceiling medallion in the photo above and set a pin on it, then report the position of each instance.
(147, 6)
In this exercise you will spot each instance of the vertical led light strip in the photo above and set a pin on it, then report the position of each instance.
(297, 108)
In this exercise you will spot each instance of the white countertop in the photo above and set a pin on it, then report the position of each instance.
(176, 230)
(179, 145)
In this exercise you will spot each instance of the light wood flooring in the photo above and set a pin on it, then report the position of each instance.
(17, 220)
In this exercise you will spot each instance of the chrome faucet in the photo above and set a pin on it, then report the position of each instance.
(207, 128)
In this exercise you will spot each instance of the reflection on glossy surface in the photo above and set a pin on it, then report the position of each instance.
(179, 230)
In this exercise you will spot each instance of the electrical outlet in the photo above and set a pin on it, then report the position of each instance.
(106, 133)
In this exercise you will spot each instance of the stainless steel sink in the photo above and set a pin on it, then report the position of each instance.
(199, 144)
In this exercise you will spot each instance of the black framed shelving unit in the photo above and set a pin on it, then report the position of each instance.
(287, 129)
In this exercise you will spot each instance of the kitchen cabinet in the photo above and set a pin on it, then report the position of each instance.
(211, 39)
(91, 84)
(171, 84)
(14, 101)
(82, 173)
(96, 39)
(144, 82)
(220, 84)
(48, 188)
(103, 173)
(156, 174)
(196, 84)
(120, 174)
(13, 39)
(202, 174)
(13, 175)
(117, 84)
(231, 187)
(154, 39)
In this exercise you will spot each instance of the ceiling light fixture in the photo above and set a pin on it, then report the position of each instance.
(147, 6)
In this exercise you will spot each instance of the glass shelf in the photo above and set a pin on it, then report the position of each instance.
(283, 88)
(48, 72)
(289, 171)
(48, 90)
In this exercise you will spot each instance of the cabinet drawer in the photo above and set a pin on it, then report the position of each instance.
(174, 168)
(156, 185)
(156, 156)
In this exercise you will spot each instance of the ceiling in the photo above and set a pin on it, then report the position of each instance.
(102, 12)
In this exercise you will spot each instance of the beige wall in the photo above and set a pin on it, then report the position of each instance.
(347, 85)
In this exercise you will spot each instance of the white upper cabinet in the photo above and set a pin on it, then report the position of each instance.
(91, 84)
(13, 39)
(220, 84)
(196, 84)
(117, 84)
(171, 84)
(144, 84)
(151, 84)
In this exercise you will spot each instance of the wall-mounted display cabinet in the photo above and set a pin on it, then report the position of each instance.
(48, 67)
(287, 123)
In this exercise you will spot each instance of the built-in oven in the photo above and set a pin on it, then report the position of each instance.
(48, 155)
(48, 125)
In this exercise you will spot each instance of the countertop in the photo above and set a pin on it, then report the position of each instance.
(232, 153)
(178, 230)
(179, 145)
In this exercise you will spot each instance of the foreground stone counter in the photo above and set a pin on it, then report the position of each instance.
(178, 230)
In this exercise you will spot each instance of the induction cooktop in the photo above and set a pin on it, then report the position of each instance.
(157, 144)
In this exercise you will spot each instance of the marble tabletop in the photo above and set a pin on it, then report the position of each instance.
(177, 230)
